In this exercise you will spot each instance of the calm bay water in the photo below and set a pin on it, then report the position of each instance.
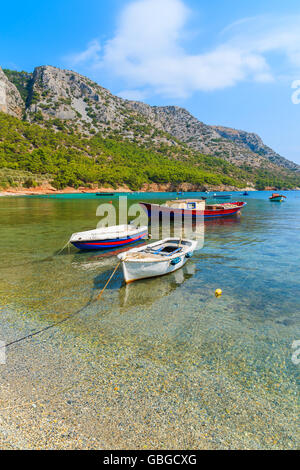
(160, 363)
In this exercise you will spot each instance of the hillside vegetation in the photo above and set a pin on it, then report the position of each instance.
(30, 154)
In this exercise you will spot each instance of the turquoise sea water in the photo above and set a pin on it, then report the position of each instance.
(189, 370)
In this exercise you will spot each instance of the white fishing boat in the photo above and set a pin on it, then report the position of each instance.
(104, 238)
(156, 259)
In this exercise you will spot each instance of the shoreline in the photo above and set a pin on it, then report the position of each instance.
(48, 190)
(44, 191)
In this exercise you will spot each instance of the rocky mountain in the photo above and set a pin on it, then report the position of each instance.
(60, 99)
(249, 140)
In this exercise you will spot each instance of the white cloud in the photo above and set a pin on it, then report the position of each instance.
(134, 95)
(146, 52)
(266, 34)
(89, 55)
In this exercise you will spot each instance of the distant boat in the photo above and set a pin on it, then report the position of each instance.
(277, 197)
(108, 237)
(156, 259)
(105, 194)
(245, 193)
(222, 196)
(194, 208)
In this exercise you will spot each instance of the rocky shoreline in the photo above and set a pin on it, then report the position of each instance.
(47, 190)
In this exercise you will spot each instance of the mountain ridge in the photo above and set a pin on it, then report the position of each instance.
(237, 146)
(63, 100)
(70, 101)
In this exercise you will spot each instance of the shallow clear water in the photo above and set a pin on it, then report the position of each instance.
(189, 370)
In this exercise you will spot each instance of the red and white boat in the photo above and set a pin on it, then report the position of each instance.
(194, 208)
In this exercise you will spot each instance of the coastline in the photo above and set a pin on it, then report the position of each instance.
(47, 190)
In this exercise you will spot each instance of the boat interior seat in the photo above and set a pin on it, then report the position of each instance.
(166, 250)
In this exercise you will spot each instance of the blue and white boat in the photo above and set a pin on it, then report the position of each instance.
(108, 237)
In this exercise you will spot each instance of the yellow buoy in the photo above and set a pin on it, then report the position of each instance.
(218, 293)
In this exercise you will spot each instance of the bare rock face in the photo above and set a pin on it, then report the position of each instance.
(252, 141)
(179, 123)
(69, 96)
(238, 147)
(10, 98)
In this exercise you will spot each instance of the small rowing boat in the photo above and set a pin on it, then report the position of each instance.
(108, 237)
(156, 259)
(277, 197)
(193, 208)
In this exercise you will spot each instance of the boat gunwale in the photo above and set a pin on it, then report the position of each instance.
(156, 257)
(109, 236)
(234, 207)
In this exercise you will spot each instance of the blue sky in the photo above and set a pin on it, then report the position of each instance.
(229, 63)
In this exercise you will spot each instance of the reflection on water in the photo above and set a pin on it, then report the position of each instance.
(224, 221)
(91, 260)
(154, 289)
(130, 295)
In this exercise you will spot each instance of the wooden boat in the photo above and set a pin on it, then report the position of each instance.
(222, 196)
(156, 259)
(194, 208)
(277, 197)
(108, 237)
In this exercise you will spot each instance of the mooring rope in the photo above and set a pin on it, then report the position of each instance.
(65, 246)
(31, 335)
(43, 260)
(112, 275)
(49, 327)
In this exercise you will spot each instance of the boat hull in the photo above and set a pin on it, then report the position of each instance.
(107, 244)
(143, 263)
(135, 271)
(277, 199)
(207, 214)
